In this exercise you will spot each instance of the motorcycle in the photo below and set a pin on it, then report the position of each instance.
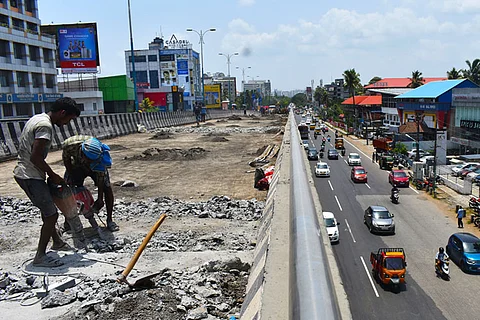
(474, 202)
(321, 155)
(439, 180)
(315, 136)
(394, 197)
(343, 152)
(442, 269)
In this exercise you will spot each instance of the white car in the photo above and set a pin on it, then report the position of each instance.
(354, 159)
(332, 226)
(413, 153)
(424, 159)
(456, 169)
(305, 144)
(322, 169)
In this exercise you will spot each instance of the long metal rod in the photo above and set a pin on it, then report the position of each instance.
(314, 297)
(132, 56)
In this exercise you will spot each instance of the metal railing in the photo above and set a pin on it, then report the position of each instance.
(313, 296)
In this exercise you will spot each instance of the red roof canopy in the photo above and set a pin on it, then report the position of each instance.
(398, 82)
(358, 99)
(371, 100)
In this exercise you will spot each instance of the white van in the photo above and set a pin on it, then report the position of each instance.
(332, 226)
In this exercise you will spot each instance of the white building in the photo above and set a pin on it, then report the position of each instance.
(262, 87)
(28, 76)
(85, 91)
(162, 65)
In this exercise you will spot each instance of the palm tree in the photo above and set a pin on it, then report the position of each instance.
(416, 80)
(454, 74)
(473, 71)
(352, 81)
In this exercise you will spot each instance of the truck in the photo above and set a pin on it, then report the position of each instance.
(382, 145)
(339, 143)
(389, 266)
(303, 130)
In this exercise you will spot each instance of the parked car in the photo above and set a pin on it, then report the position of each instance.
(354, 159)
(473, 174)
(464, 249)
(332, 154)
(425, 159)
(358, 174)
(398, 178)
(312, 153)
(456, 169)
(332, 226)
(379, 219)
(413, 153)
(462, 174)
(322, 169)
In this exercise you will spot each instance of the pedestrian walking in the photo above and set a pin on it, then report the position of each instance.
(460, 215)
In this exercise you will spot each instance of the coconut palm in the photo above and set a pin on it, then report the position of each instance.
(473, 71)
(454, 74)
(352, 82)
(416, 80)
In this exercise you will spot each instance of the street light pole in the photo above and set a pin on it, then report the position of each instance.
(229, 56)
(132, 57)
(201, 34)
(243, 76)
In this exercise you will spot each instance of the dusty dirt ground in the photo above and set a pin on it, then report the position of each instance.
(209, 166)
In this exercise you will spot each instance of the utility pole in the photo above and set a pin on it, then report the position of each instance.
(132, 57)
(418, 118)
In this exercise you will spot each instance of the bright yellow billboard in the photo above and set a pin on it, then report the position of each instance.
(212, 96)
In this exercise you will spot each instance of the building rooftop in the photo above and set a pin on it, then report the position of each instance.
(432, 89)
(398, 82)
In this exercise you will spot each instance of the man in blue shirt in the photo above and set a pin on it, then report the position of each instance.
(460, 215)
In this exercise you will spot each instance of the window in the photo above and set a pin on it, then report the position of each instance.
(47, 55)
(22, 79)
(4, 21)
(152, 57)
(34, 53)
(13, 3)
(138, 59)
(81, 106)
(32, 28)
(18, 50)
(94, 106)
(18, 24)
(7, 110)
(5, 78)
(24, 109)
(37, 107)
(142, 76)
(50, 80)
(4, 48)
(29, 5)
(154, 79)
(37, 80)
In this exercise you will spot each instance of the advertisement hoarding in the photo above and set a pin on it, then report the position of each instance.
(212, 96)
(77, 47)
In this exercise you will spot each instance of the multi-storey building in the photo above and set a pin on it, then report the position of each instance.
(262, 87)
(28, 75)
(173, 65)
(336, 90)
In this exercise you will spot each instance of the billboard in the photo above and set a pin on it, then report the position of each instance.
(77, 46)
(212, 96)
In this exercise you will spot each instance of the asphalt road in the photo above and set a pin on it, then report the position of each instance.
(420, 229)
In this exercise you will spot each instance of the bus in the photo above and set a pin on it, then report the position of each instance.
(303, 130)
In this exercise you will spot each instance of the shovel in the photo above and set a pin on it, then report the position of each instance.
(144, 282)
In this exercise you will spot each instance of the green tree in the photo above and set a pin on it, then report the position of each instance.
(147, 105)
(454, 74)
(352, 82)
(473, 71)
(321, 96)
(300, 99)
(400, 148)
(374, 79)
(416, 80)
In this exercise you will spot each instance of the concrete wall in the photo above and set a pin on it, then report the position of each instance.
(101, 126)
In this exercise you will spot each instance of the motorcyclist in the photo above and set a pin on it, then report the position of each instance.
(321, 154)
(393, 191)
(343, 152)
(315, 135)
(328, 138)
(440, 257)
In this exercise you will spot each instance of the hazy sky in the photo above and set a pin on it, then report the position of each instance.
(291, 43)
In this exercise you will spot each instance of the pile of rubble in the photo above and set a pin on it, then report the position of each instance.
(202, 130)
(158, 154)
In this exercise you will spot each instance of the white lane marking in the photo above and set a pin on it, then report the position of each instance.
(345, 161)
(331, 187)
(368, 186)
(369, 277)
(350, 230)
(338, 202)
(413, 189)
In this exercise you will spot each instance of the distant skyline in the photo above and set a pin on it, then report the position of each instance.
(291, 43)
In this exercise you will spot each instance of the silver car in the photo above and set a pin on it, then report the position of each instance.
(379, 219)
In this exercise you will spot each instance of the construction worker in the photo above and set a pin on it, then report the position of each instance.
(85, 156)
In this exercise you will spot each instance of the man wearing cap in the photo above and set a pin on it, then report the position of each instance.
(85, 156)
